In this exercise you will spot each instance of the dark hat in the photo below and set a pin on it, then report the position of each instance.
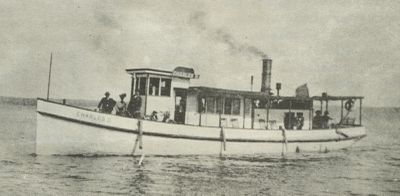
(123, 95)
(318, 112)
(107, 93)
(326, 112)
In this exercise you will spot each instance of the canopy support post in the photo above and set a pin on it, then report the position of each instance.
(132, 86)
(244, 111)
(310, 118)
(341, 110)
(146, 93)
(290, 114)
(321, 105)
(360, 111)
(252, 114)
(268, 105)
(326, 105)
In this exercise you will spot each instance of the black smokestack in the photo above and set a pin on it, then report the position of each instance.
(266, 76)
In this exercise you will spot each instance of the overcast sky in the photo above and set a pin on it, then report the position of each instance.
(342, 47)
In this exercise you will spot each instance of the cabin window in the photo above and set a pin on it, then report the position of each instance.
(228, 106)
(165, 87)
(141, 85)
(247, 106)
(154, 86)
(210, 101)
(201, 104)
(236, 106)
(232, 106)
(220, 105)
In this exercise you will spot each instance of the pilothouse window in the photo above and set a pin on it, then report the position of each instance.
(141, 85)
(154, 86)
(165, 87)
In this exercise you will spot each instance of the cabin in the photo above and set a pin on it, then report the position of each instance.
(162, 91)
(170, 93)
(245, 109)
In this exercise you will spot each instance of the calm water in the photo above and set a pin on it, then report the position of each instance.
(372, 167)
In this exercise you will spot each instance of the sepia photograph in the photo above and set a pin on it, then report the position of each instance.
(199, 97)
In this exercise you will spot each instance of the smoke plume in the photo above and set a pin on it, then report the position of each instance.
(197, 19)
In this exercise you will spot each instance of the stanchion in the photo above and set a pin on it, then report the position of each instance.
(140, 128)
(141, 159)
(138, 138)
(284, 141)
(223, 141)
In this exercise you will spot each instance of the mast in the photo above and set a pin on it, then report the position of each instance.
(48, 82)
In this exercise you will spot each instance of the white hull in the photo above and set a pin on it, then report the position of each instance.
(66, 130)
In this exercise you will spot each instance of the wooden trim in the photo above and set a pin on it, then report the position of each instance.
(147, 69)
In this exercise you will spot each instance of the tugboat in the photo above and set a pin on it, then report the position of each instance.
(202, 120)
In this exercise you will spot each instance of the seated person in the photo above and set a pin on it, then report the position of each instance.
(120, 108)
(300, 121)
(154, 116)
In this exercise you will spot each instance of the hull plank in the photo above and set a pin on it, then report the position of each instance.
(66, 130)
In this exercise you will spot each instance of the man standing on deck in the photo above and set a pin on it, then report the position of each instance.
(135, 105)
(106, 104)
(325, 120)
(316, 124)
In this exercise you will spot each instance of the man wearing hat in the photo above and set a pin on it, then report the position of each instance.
(121, 106)
(316, 124)
(135, 105)
(106, 104)
(325, 120)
